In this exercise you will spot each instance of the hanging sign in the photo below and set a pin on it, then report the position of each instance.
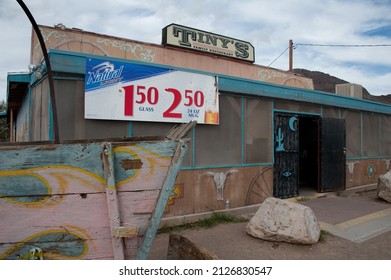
(127, 91)
(186, 37)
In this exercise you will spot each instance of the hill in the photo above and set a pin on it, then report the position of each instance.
(326, 82)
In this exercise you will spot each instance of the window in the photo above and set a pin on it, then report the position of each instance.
(385, 135)
(370, 132)
(221, 144)
(258, 143)
(353, 133)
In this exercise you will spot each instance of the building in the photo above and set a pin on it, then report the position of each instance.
(262, 132)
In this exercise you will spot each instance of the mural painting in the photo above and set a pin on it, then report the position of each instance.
(54, 200)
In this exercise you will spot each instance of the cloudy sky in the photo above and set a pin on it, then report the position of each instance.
(268, 25)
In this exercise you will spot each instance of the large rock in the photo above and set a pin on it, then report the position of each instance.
(384, 187)
(281, 220)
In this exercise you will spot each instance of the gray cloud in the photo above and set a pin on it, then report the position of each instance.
(268, 25)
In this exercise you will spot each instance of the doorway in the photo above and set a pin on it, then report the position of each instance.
(309, 154)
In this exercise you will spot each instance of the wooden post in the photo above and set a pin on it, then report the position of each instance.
(290, 55)
(165, 192)
(11, 131)
(112, 201)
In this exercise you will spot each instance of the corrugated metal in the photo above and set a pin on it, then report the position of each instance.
(350, 90)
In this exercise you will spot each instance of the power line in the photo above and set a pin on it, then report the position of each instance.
(294, 46)
(343, 45)
(278, 57)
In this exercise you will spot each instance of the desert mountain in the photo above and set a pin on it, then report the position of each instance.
(326, 82)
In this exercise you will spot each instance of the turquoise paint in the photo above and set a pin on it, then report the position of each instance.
(18, 77)
(193, 158)
(273, 139)
(167, 189)
(51, 125)
(226, 166)
(62, 243)
(31, 187)
(83, 156)
(379, 134)
(296, 113)
(15, 78)
(368, 157)
(361, 136)
(280, 139)
(71, 62)
(262, 89)
(130, 130)
(243, 139)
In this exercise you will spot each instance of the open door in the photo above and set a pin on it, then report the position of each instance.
(286, 155)
(333, 155)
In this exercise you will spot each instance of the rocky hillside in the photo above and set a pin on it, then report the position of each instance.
(326, 82)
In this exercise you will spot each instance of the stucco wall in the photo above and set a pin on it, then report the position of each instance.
(76, 40)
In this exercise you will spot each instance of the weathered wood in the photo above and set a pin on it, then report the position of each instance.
(180, 131)
(73, 202)
(126, 231)
(166, 191)
(112, 201)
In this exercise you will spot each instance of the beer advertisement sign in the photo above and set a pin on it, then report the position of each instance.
(137, 92)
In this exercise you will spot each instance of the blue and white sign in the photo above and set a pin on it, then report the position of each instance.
(127, 91)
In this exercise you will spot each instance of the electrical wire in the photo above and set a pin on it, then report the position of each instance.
(343, 45)
(278, 57)
(294, 46)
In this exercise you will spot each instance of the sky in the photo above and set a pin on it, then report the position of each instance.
(267, 25)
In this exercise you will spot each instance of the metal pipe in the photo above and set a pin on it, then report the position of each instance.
(48, 68)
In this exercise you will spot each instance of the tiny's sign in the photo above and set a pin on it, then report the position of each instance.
(126, 91)
(186, 37)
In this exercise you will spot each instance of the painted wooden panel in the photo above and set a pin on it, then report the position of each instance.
(58, 198)
(75, 227)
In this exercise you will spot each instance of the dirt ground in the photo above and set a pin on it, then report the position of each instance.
(231, 242)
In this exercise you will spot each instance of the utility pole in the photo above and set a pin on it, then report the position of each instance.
(290, 55)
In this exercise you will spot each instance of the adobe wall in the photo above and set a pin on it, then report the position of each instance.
(76, 40)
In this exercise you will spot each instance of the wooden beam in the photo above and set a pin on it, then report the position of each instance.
(112, 202)
(166, 191)
(12, 135)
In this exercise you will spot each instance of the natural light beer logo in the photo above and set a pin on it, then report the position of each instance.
(104, 74)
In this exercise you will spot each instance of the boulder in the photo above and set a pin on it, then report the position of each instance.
(281, 220)
(384, 187)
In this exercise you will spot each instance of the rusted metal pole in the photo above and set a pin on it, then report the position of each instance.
(48, 68)
(290, 55)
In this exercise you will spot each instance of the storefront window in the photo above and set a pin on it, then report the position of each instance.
(329, 112)
(370, 129)
(160, 129)
(40, 112)
(353, 133)
(297, 107)
(385, 135)
(221, 144)
(258, 143)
